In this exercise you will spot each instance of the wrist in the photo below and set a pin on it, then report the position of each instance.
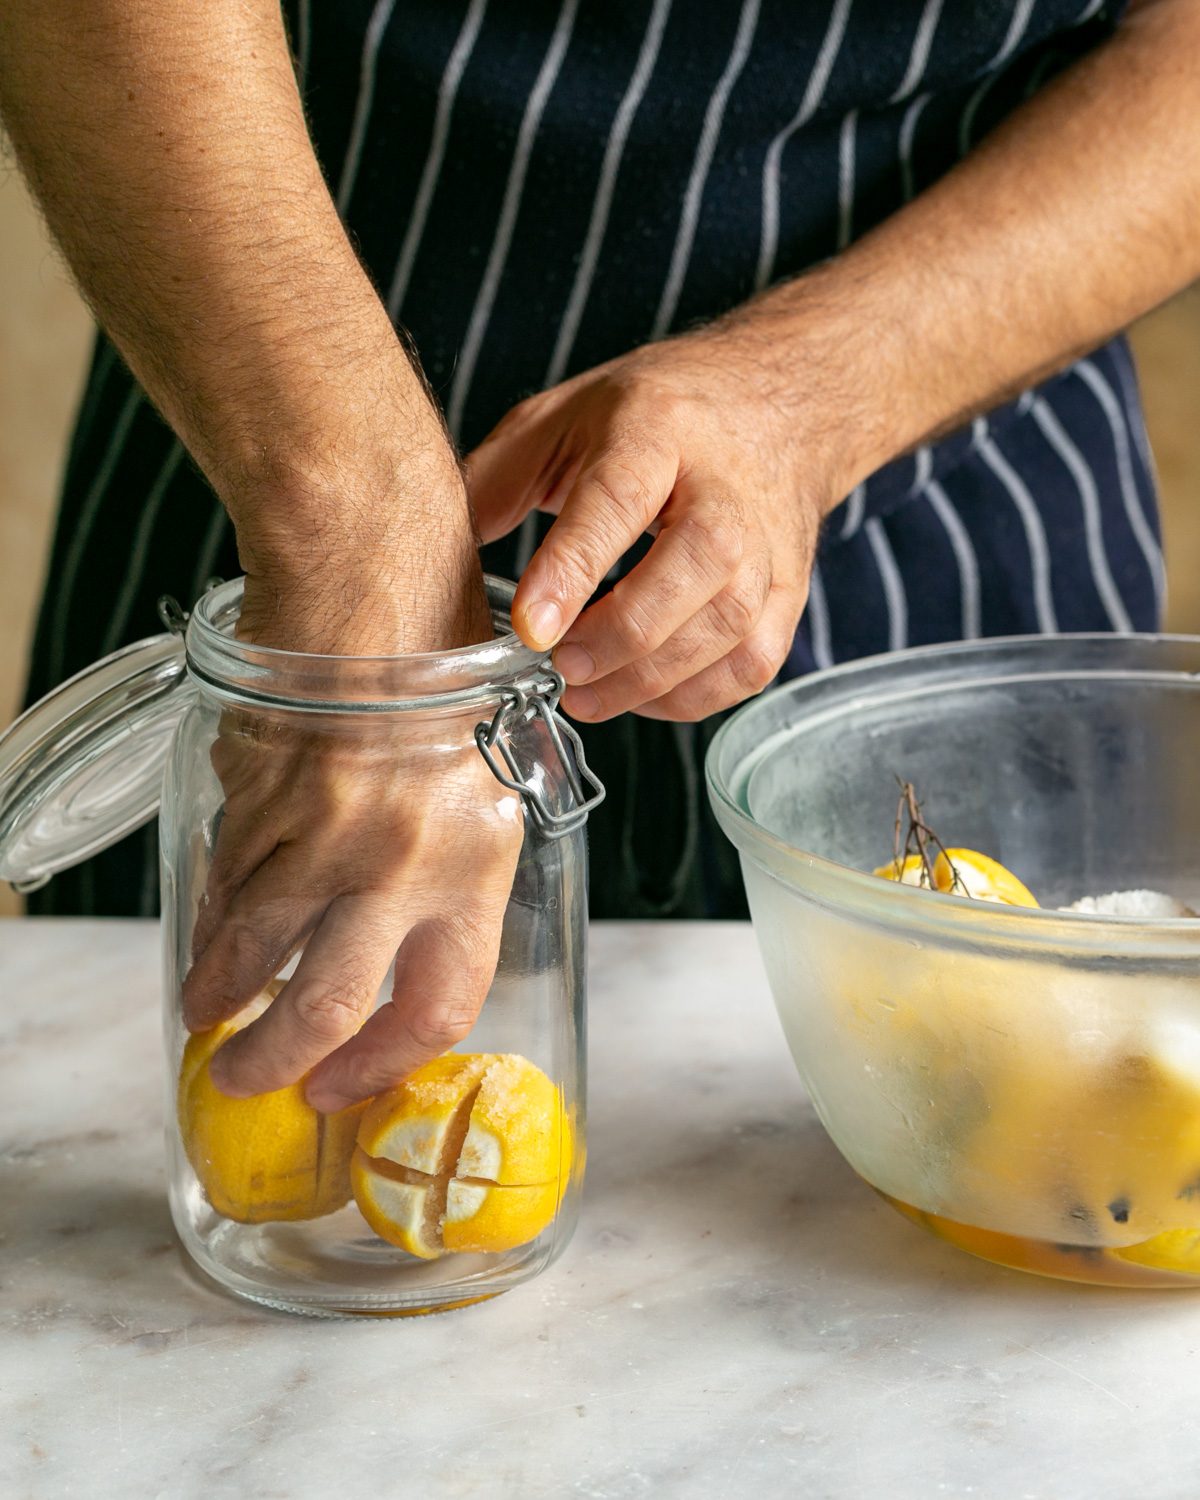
(824, 364)
(374, 557)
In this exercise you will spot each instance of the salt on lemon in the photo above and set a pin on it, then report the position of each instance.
(962, 872)
(270, 1157)
(471, 1153)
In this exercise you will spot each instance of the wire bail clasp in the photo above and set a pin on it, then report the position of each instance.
(539, 698)
(173, 615)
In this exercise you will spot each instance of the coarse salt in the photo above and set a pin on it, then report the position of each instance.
(1132, 904)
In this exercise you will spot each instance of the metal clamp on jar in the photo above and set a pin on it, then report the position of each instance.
(341, 1213)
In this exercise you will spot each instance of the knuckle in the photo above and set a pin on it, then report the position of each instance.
(723, 541)
(669, 406)
(438, 1027)
(575, 554)
(738, 607)
(327, 1013)
(650, 677)
(691, 535)
(642, 686)
(654, 399)
(242, 949)
(634, 628)
(759, 660)
(625, 492)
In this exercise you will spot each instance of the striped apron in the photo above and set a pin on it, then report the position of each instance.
(539, 185)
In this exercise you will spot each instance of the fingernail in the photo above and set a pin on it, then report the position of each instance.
(581, 702)
(545, 622)
(575, 664)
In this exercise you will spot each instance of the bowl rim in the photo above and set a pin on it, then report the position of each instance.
(850, 890)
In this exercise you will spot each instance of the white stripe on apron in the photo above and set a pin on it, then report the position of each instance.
(485, 300)
(1056, 435)
(1031, 519)
(815, 88)
(456, 66)
(689, 216)
(376, 27)
(1138, 524)
(964, 557)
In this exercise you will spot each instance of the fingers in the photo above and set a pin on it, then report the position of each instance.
(442, 978)
(726, 621)
(696, 554)
(260, 928)
(243, 845)
(520, 466)
(612, 502)
(750, 667)
(324, 1003)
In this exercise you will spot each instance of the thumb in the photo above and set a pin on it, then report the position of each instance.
(611, 502)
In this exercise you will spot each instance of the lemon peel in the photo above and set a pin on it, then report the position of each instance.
(963, 872)
(271, 1157)
(471, 1153)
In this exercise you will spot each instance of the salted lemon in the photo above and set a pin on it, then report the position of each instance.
(908, 871)
(1174, 1250)
(473, 1152)
(1110, 1157)
(962, 872)
(269, 1157)
(979, 877)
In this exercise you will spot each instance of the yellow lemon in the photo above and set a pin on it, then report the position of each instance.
(979, 877)
(473, 1152)
(269, 1157)
(1111, 1158)
(962, 872)
(1175, 1250)
(908, 871)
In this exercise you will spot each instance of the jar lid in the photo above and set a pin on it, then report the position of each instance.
(84, 767)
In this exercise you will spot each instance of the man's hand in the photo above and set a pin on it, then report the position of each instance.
(1054, 233)
(694, 441)
(168, 148)
(350, 843)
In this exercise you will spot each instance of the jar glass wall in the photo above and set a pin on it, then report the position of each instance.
(436, 1195)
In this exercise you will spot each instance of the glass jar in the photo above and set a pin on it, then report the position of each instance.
(428, 1199)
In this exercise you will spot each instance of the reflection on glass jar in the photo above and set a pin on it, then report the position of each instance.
(462, 1180)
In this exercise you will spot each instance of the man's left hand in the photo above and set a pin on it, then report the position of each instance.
(697, 441)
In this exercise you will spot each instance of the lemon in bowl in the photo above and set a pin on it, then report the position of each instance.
(1023, 1079)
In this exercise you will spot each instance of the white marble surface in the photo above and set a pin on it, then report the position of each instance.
(738, 1316)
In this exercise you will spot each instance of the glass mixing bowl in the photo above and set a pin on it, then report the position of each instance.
(1025, 1083)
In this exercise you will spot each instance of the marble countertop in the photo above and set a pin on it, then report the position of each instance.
(738, 1315)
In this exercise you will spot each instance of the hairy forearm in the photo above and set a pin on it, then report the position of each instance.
(1074, 217)
(167, 146)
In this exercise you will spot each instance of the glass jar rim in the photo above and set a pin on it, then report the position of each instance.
(239, 671)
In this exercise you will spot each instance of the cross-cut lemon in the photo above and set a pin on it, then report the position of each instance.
(963, 872)
(269, 1157)
(473, 1152)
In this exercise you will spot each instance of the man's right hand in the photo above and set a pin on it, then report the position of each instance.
(353, 843)
(168, 149)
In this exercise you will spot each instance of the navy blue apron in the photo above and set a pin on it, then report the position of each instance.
(537, 186)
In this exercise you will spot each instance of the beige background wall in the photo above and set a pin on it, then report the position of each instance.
(44, 336)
